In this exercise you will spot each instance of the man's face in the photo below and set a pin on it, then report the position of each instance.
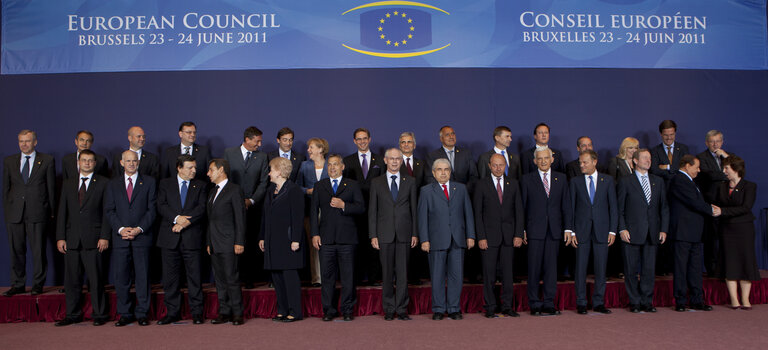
(668, 136)
(215, 174)
(83, 141)
(188, 170)
(643, 162)
(715, 143)
(136, 137)
(87, 162)
(587, 164)
(130, 162)
(692, 170)
(504, 139)
(448, 137)
(585, 143)
(252, 144)
(407, 144)
(393, 159)
(188, 135)
(442, 172)
(541, 135)
(362, 140)
(335, 167)
(543, 161)
(497, 164)
(27, 143)
(285, 142)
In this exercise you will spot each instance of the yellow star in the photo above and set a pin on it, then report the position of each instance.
(410, 36)
(395, 13)
(397, 43)
(409, 21)
(387, 15)
(405, 42)
(412, 28)
(380, 28)
(381, 21)
(403, 15)
(381, 36)
(388, 42)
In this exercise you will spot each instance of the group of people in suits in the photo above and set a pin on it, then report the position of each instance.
(363, 219)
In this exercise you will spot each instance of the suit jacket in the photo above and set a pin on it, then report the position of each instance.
(544, 214)
(283, 224)
(419, 172)
(201, 154)
(296, 160)
(149, 164)
(226, 218)
(306, 178)
(392, 220)
(526, 159)
(687, 209)
(601, 216)
(253, 178)
(637, 215)
(618, 168)
(514, 172)
(333, 225)
(659, 157)
(169, 206)
(69, 166)
(464, 171)
(139, 212)
(441, 220)
(36, 197)
(736, 207)
(353, 170)
(711, 175)
(499, 223)
(82, 225)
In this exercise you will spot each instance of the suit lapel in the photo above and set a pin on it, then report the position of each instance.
(342, 187)
(35, 167)
(88, 190)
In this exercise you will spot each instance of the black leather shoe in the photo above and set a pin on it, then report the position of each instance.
(36, 291)
(389, 316)
(536, 312)
(13, 291)
(437, 316)
(289, 319)
(634, 309)
(99, 321)
(238, 321)
(221, 319)
(679, 308)
(143, 321)
(66, 322)
(510, 313)
(403, 317)
(702, 307)
(316, 285)
(124, 321)
(278, 318)
(348, 317)
(649, 308)
(490, 314)
(581, 310)
(550, 311)
(455, 316)
(166, 320)
(198, 319)
(601, 309)
(328, 317)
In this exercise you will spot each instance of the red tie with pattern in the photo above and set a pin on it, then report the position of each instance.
(445, 190)
(129, 189)
(498, 190)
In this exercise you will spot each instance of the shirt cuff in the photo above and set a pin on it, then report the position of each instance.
(141, 230)
(252, 201)
(176, 218)
(120, 229)
(612, 233)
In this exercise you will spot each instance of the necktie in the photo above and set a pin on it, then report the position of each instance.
(450, 158)
(506, 161)
(546, 184)
(81, 192)
(591, 190)
(335, 186)
(669, 154)
(646, 189)
(25, 170)
(445, 190)
(719, 165)
(394, 187)
(499, 191)
(129, 189)
(285, 155)
(247, 158)
(215, 193)
(365, 166)
(183, 193)
(186, 150)
(408, 165)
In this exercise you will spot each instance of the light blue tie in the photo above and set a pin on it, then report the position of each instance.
(335, 186)
(591, 190)
(506, 161)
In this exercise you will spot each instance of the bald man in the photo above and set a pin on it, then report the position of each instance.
(149, 163)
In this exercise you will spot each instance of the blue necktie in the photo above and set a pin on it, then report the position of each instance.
(394, 187)
(247, 158)
(335, 186)
(591, 190)
(25, 170)
(183, 193)
(506, 161)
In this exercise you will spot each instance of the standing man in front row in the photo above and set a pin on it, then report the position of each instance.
(181, 204)
(335, 203)
(392, 227)
(82, 235)
(643, 224)
(446, 229)
(547, 213)
(130, 207)
(226, 240)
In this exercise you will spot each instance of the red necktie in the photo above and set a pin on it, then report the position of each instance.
(408, 165)
(498, 191)
(129, 189)
(445, 190)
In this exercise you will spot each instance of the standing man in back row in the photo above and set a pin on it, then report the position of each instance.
(502, 138)
(148, 164)
(201, 153)
(285, 150)
(541, 136)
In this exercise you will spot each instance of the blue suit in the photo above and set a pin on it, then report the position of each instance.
(446, 225)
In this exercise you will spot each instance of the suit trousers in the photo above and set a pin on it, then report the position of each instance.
(17, 241)
(251, 261)
(446, 269)
(687, 275)
(175, 262)
(641, 256)
(491, 258)
(599, 262)
(542, 266)
(123, 260)
(288, 291)
(337, 262)
(710, 241)
(395, 258)
(225, 273)
(75, 262)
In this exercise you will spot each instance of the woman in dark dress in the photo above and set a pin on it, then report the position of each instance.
(621, 165)
(282, 231)
(737, 232)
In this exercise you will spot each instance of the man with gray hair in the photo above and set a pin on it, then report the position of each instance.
(710, 177)
(418, 267)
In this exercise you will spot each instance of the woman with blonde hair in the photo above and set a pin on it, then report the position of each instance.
(621, 165)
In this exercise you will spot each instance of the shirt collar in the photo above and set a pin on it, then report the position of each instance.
(282, 153)
(222, 184)
(594, 176)
(389, 175)
(336, 178)
(499, 150)
(367, 154)
(31, 155)
(447, 184)
(686, 174)
(133, 177)
(449, 150)
(179, 180)
(89, 176)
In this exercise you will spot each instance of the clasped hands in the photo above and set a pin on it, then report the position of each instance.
(182, 222)
(716, 211)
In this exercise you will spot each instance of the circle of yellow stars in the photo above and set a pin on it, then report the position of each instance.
(395, 14)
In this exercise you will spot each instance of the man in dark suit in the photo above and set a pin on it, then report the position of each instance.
(202, 155)
(149, 164)
(392, 231)
(572, 168)
(498, 210)
(285, 150)
(418, 267)
(502, 138)
(463, 166)
(446, 229)
(643, 225)
(70, 162)
(130, 208)
(334, 234)
(595, 218)
(226, 241)
(29, 178)
(547, 215)
(687, 210)
(249, 170)
(541, 136)
(709, 180)
(665, 157)
(566, 261)
(362, 167)
(181, 204)
(82, 235)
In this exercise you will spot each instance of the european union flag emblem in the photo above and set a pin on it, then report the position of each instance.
(395, 29)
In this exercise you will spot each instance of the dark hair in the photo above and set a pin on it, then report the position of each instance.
(499, 129)
(592, 154)
(538, 125)
(284, 131)
(636, 156)
(667, 124)
(336, 155)
(687, 160)
(736, 163)
(85, 132)
(578, 141)
(86, 152)
(183, 159)
(251, 132)
(220, 163)
(354, 134)
(187, 124)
